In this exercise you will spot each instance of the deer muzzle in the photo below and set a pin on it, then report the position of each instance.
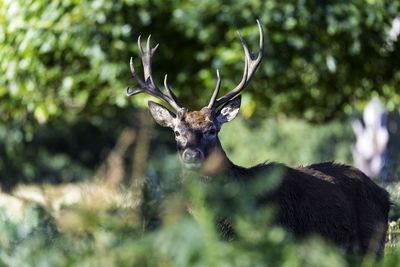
(192, 158)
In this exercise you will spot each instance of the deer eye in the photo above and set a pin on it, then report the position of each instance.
(211, 131)
(177, 133)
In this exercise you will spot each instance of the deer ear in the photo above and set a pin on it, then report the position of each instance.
(161, 114)
(228, 111)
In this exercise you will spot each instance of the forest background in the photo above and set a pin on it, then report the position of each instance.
(65, 120)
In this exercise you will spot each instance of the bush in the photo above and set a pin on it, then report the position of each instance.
(113, 227)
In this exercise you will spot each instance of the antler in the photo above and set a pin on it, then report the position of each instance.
(250, 66)
(148, 86)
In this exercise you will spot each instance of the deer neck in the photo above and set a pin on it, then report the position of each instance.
(217, 164)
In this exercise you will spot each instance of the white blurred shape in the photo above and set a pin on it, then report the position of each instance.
(395, 30)
(371, 139)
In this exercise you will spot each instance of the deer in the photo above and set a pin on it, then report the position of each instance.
(336, 201)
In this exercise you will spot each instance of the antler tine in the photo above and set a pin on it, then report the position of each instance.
(137, 77)
(250, 67)
(253, 64)
(235, 91)
(170, 92)
(216, 91)
(148, 85)
(146, 60)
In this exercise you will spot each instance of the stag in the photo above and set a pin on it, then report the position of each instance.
(336, 201)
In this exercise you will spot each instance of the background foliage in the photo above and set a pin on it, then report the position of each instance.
(65, 65)
(64, 118)
(66, 57)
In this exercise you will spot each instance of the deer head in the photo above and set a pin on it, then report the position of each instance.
(196, 132)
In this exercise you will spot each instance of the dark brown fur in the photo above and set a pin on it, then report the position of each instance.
(197, 119)
(336, 201)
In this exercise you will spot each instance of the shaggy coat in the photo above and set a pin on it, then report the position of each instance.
(338, 202)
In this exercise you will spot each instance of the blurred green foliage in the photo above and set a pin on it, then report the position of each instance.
(63, 58)
(294, 142)
(97, 233)
(61, 150)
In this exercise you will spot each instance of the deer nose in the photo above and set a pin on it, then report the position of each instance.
(192, 155)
